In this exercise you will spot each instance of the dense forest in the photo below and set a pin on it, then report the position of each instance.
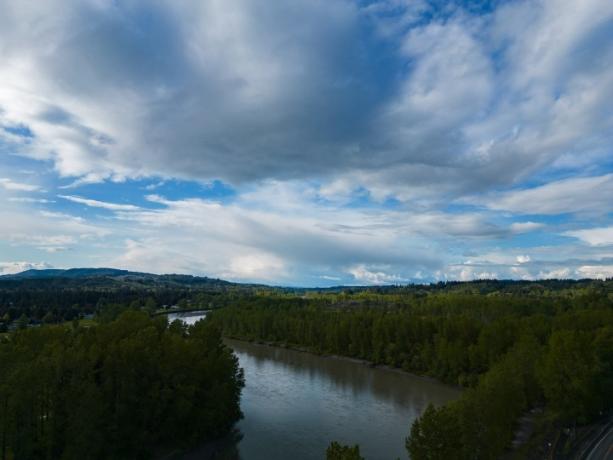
(55, 296)
(52, 296)
(131, 388)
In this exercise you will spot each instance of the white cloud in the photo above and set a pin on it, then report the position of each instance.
(522, 259)
(256, 266)
(10, 268)
(583, 271)
(560, 273)
(11, 185)
(526, 227)
(575, 195)
(250, 239)
(24, 199)
(595, 271)
(594, 236)
(100, 204)
(26, 228)
(374, 275)
(472, 273)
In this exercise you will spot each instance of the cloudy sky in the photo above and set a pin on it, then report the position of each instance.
(308, 142)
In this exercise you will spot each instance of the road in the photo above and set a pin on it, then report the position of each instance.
(603, 448)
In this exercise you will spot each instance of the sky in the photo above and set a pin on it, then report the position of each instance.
(308, 142)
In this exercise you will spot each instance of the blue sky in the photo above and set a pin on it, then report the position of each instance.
(309, 142)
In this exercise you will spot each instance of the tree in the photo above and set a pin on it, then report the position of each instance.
(336, 451)
(150, 305)
(23, 321)
(49, 318)
(118, 390)
(435, 435)
(569, 373)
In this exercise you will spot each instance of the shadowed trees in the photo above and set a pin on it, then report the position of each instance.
(122, 390)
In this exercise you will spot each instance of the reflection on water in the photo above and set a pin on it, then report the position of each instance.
(296, 403)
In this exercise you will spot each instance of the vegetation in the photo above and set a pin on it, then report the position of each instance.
(337, 451)
(123, 390)
(512, 349)
(512, 345)
(55, 296)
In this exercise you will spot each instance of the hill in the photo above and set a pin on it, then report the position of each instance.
(104, 277)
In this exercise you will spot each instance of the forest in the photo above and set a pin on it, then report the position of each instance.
(513, 346)
(132, 388)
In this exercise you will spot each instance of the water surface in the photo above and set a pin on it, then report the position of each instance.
(296, 403)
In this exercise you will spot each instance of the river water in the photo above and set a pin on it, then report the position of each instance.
(296, 403)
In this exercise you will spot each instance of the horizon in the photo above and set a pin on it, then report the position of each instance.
(288, 286)
(322, 144)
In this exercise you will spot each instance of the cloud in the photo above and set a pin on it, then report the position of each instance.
(249, 92)
(560, 273)
(256, 266)
(526, 227)
(100, 204)
(24, 199)
(544, 262)
(522, 259)
(249, 239)
(596, 271)
(574, 195)
(11, 185)
(364, 275)
(51, 232)
(376, 141)
(10, 268)
(594, 236)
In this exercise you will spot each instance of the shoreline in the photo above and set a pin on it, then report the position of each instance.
(363, 362)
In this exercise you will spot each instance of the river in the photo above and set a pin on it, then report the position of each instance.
(295, 403)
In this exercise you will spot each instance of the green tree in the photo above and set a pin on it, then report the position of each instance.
(150, 305)
(23, 321)
(569, 375)
(336, 451)
(120, 390)
(49, 318)
(435, 435)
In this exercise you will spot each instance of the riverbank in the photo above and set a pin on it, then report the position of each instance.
(363, 362)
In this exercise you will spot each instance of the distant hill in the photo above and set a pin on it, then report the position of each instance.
(71, 273)
(106, 278)
(112, 278)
